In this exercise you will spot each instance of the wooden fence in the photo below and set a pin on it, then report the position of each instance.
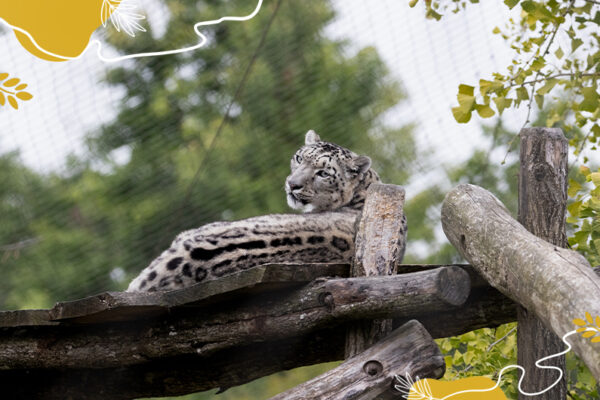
(379, 315)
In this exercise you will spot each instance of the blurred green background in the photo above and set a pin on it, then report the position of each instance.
(162, 164)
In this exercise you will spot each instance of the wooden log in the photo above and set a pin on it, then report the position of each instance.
(205, 330)
(555, 283)
(379, 247)
(542, 206)
(175, 376)
(128, 306)
(371, 374)
(485, 307)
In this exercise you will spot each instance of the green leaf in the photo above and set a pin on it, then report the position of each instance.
(461, 115)
(485, 86)
(574, 207)
(559, 53)
(484, 110)
(466, 104)
(595, 176)
(550, 83)
(433, 14)
(596, 244)
(468, 357)
(522, 93)
(539, 99)
(466, 89)
(590, 99)
(412, 3)
(584, 170)
(511, 3)
(538, 63)
(574, 188)
(575, 43)
(502, 103)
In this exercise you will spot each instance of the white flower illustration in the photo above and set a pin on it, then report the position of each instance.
(122, 16)
(420, 390)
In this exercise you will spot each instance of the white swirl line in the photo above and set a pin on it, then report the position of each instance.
(202, 42)
(537, 364)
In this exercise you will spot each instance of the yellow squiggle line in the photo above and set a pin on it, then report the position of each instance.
(203, 40)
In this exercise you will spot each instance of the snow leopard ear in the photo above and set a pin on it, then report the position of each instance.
(311, 137)
(361, 164)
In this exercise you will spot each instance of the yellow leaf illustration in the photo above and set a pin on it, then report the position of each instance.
(12, 89)
(579, 322)
(598, 321)
(13, 102)
(24, 96)
(589, 334)
(596, 340)
(581, 330)
(11, 82)
(589, 318)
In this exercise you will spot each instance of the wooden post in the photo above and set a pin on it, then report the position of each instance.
(557, 284)
(542, 206)
(371, 374)
(379, 248)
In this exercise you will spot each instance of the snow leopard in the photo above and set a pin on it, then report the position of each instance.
(328, 183)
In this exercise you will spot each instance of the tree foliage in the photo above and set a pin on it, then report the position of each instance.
(556, 66)
(160, 168)
(556, 47)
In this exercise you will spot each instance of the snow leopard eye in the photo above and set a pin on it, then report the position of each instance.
(298, 158)
(322, 173)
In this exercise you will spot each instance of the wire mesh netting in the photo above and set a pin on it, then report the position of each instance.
(111, 160)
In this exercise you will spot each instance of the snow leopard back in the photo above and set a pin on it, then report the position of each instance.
(327, 181)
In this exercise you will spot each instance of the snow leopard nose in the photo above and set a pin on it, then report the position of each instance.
(294, 185)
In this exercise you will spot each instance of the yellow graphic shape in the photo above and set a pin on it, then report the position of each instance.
(11, 90)
(590, 327)
(61, 27)
(438, 390)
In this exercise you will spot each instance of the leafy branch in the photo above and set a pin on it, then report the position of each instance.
(12, 96)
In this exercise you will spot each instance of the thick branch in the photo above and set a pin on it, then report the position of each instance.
(204, 330)
(555, 283)
(379, 248)
(371, 374)
(542, 206)
(171, 376)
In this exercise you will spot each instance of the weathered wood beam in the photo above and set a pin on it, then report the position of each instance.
(485, 307)
(128, 306)
(542, 207)
(176, 376)
(379, 247)
(368, 375)
(555, 283)
(206, 330)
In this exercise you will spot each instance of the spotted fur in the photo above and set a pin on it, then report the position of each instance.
(327, 182)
